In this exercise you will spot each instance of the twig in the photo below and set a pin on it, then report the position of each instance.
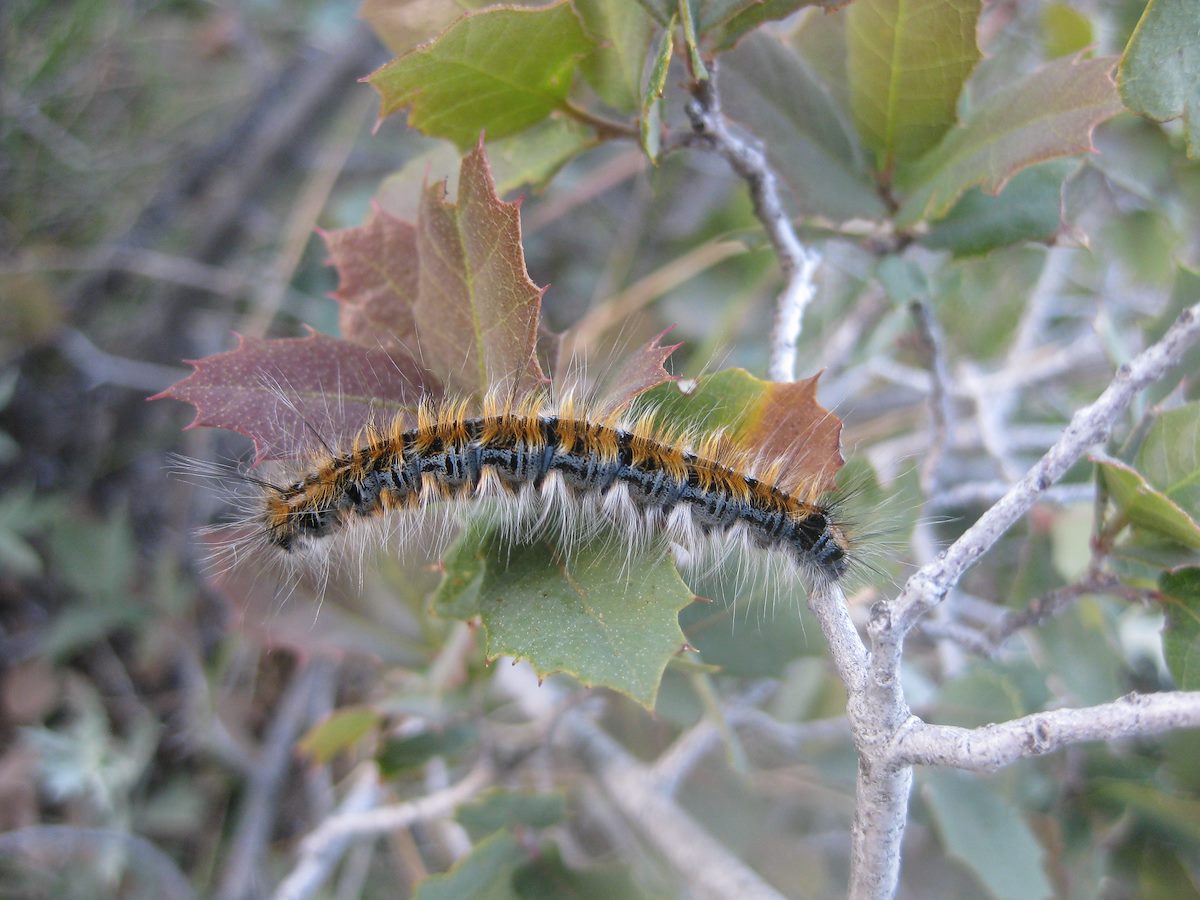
(799, 263)
(974, 493)
(99, 367)
(1088, 426)
(1050, 605)
(258, 809)
(710, 869)
(877, 707)
(992, 746)
(940, 411)
(317, 860)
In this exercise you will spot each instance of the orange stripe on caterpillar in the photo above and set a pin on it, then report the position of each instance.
(641, 475)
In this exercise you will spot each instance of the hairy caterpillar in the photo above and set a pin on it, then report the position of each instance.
(564, 469)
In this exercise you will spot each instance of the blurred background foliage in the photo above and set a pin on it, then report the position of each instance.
(163, 167)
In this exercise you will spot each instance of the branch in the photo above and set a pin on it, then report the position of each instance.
(321, 850)
(317, 859)
(799, 263)
(992, 746)
(257, 814)
(710, 869)
(941, 411)
(1089, 426)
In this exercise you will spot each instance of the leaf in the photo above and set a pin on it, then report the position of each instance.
(1146, 507)
(377, 280)
(778, 421)
(339, 731)
(275, 391)
(1049, 113)
(1175, 817)
(400, 755)
(987, 833)
(722, 23)
(607, 623)
(772, 92)
(477, 309)
(637, 373)
(486, 873)
(402, 24)
(501, 809)
(622, 32)
(1181, 626)
(534, 156)
(547, 877)
(1168, 456)
(1029, 208)
(650, 121)
(1065, 31)
(1159, 75)
(690, 41)
(725, 22)
(908, 60)
(480, 74)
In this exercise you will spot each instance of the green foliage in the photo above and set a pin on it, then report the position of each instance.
(605, 624)
(1159, 74)
(924, 157)
(478, 76)
(1181, 631)
(907, 62)
(1047, 114)
(986, 832)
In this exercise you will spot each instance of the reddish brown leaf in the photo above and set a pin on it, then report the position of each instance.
(638, 373)
(286, 394)
(377, 281)
(477, 309)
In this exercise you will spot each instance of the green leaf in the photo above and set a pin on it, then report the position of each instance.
(1065, 31)
(622, 32)
(1176, 817)
(691, 41)
(1048, 114)
(340, 731)
(725, 22)
(650, 121)
(547, 877)
(987, 833)
(534, 156)
(769, 89)
(989, 693)
(480, 74)
(1159, 75)
(486, 873)
(402, 24)
(499, 809)
(608, 620)
(780, 421)
(908, 60)
(1145, 506)
(1029, 208)
(403, 754)
(1181, 627)
(1169, 459)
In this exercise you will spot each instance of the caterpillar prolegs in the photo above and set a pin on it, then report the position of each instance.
(565, 469)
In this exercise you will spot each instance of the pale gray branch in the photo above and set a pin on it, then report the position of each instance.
(799, 262)
(1089, 426)
(710, 869)
(992, 746)
(318, 858)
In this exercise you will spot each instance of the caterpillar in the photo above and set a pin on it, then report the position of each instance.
(565, 468)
